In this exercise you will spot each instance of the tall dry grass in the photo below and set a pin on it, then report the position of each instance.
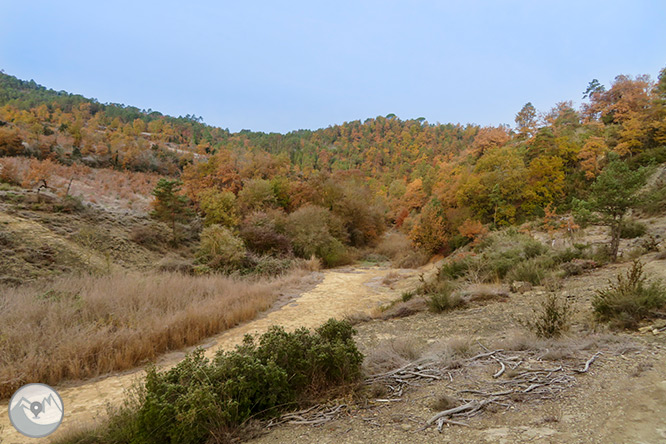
(80, 327)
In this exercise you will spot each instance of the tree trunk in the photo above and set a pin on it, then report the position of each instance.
(616, 229)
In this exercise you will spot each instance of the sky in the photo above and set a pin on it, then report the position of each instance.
(282, 66)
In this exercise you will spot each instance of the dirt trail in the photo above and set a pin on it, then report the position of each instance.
(341, 291)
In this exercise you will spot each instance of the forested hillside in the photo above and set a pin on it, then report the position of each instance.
(323, 192)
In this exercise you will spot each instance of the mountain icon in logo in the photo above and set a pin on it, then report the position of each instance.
(36, 410)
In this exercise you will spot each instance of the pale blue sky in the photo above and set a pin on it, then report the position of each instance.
(281, 66)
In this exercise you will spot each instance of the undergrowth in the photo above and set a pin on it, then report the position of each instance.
(550, 319)
(631, 298)
(208, 401)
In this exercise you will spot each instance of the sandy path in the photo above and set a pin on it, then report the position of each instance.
(342, 291)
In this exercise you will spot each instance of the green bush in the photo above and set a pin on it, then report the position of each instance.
(453, 269)
(564, 256)
(316, 231)
(218, 207)
(632, 229)
(532, 271)
(533, 248)
(198, 398)
(629, 299)
(441, 297)
(551, 318)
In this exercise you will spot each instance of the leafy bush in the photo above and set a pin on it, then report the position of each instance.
(197, 398)
(629, 299)
(220, 248)
(219, 207)
(256, 194)
(632, 229)
(316, 231)
(453, 269)
(551, 318)
(261, 234)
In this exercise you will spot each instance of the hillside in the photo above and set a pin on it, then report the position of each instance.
(433, 182)
(128, 236)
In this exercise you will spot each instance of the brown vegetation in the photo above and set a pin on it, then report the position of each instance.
(79, 327)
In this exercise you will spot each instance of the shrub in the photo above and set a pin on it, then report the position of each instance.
(220, 248)
(219, 207)
(577, 266)
(531, 271)
(632, 229)
(262, 235)
(407, 295)
(570, 254)
(256, 194)
(441, 297)
(393, 245)
(454, 269)
(150, 236)
(9, 173)
(533, 248)
(197, 397)
(315, 231)
(268, 265)
(629, 299)
(69, 204)
(551, 318)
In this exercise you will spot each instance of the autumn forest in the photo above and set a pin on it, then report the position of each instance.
(248, 196)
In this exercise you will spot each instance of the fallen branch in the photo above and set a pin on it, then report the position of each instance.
(588, 363)
(442, 421)
(500, 372)
(485, 355)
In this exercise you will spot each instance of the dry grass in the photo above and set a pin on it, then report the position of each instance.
(80, 327)
(485, 292)
(397, 247)
(391, 354)
(451, 349)
(400, 309)
(565, 347)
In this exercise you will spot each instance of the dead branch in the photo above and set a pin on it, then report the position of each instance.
(442, 421)
(500, 372)
(588, 363)
(485, 355)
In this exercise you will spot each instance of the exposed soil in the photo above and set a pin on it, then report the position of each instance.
(622, 399)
